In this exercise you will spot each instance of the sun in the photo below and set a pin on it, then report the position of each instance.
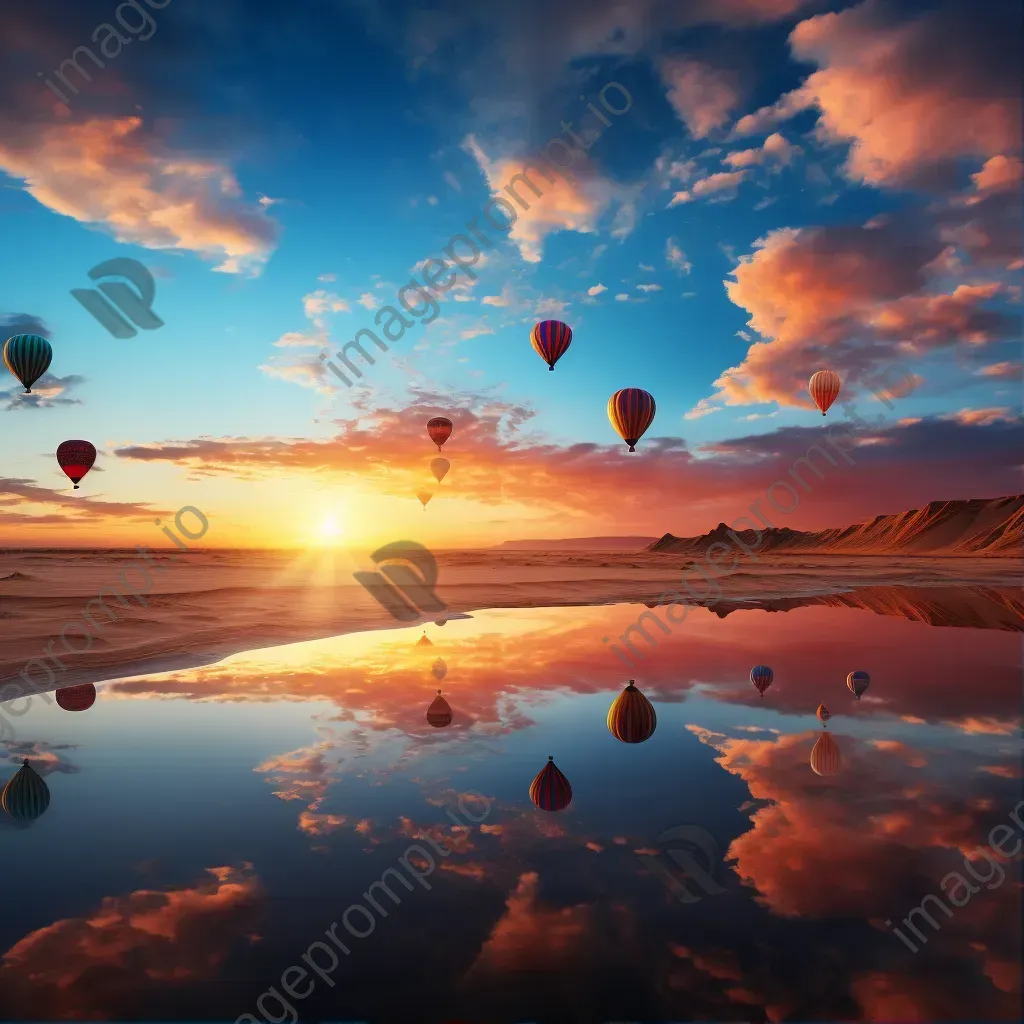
(329, 531)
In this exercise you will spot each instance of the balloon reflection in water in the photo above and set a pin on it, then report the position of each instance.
(440, 622)
(761, 676)
(632, 718)
(26, 796)
(823, 714)
(858, 682)
(550, 790)
(424, 641)
(439, 714)
(77, 698)
(825, 755)
(440, 669)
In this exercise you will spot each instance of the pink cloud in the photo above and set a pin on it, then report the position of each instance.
(722, 181)
(703, 96)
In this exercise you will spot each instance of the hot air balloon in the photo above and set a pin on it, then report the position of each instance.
(825, 755)
(551, 791)
(28, 357)
(550, 339)
(823, 714)
(631, 718)
(858, 682)
(440, 429)
(424, 641)
(440, 622)
(439, 714)
(824, 389)
(26, 796)
(631, 412)
(424, 497)
(440, 467)
(76, 459)
(440, 669)
(77, 698)
(761, 676)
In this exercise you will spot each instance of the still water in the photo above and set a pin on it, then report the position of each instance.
(206, 828)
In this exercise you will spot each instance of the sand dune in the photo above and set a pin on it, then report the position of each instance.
(986, 527)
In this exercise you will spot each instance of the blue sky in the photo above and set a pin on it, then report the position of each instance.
(291, 164)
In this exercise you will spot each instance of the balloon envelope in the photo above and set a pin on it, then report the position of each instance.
(858, 682)
(825, 755)
(440, 429)
(823, 713)
(28, 357)
(761, 676)
(824, 389)
(439, 714)
(550, 339)
(77, 698)
(424, 497)
(440, 467)
(550, 790)
(76, 459)
(424, 641)
(26, 796)
(440, 669)
(631, 412)
(632, 718)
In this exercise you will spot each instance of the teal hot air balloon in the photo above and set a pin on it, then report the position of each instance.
(26, 796)
(28, 357)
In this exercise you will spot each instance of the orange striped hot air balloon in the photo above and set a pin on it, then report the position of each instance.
(824, 389)
(551, 791)
(825, 755)
(823, 714)
(440, 429)
(550, 339)
(439, 714)
(632, 718)
(77, 698)
(631, 412)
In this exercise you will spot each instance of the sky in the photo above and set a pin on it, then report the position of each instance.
(791, 186)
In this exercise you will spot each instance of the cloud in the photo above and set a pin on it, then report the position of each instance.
(980, 417)
(776, 150)
(622, 297)
(648, 287)
(553, 307)
(476, 331)
(47, 393)
(703, 96)
(911, 97)
(722, 181)
(296, 339)
(646, 268)
(1001, 371)
(561, 205)
(452, 180)
(319, 302)
(596, 289)
(676, 257)
(368, 301)
(113, 173)
(502, 300)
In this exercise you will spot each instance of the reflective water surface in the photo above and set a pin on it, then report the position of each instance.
(206, 829)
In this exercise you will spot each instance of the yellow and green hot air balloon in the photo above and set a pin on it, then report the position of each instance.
(26, 796)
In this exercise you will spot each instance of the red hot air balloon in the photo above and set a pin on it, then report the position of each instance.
(632, 718)
(440, 429)
(761, 676)
(825, 755)
(439, 714)
(76, 459)
(824, 389)
(631, 412)
(550, 790)
(823, 714)
(550, 339)
(77, 698)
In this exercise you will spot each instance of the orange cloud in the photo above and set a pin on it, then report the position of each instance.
(703, 96)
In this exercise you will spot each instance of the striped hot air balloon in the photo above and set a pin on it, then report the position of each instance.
(439, 669)
(761, 676)
(823, 714)
(824, 389)
(551, 791)
(439, 714)
(858, 682)
(28, 357)
(26, 796)
(631, 412)
(632, 718)
(77, 698)
(76, 459)
(825, 755)
(440, 429)
(550, 339)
